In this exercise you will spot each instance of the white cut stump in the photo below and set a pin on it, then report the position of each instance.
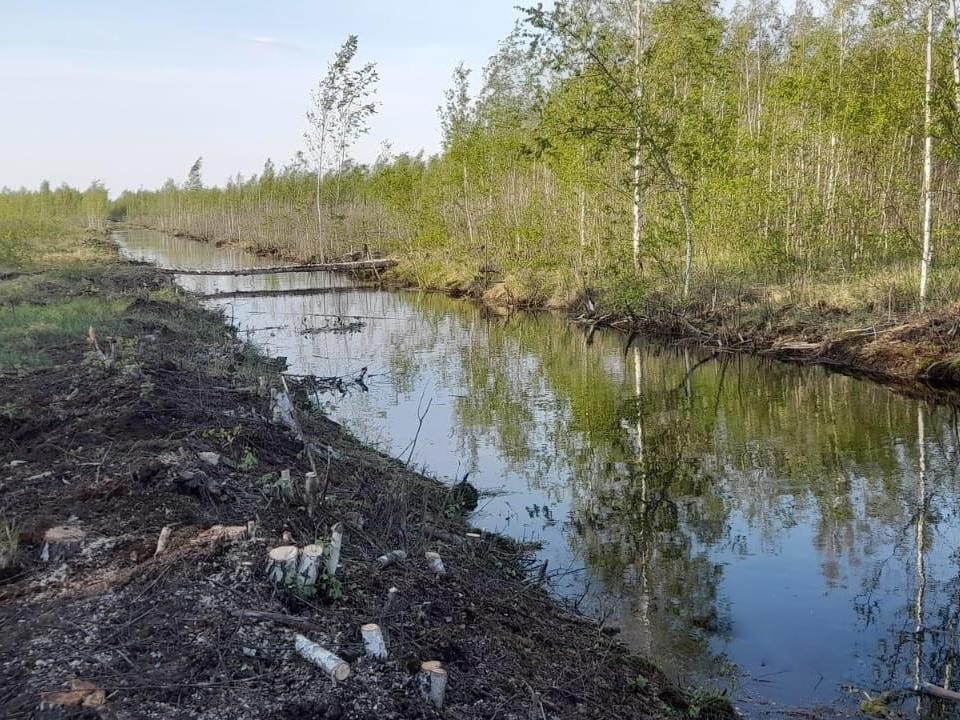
(164, 539)
(336, 542)
(435, 562)
(282, 564)
(432, 679)
(373, 641)
(308, 569)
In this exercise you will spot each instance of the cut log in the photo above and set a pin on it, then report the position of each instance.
(336, 542)
(432, 679)
(335, 668)
(61, 542)
(164, 539)
(392, 557)
(282, 564)
(308, 570)
(373, 641)
(435, 562)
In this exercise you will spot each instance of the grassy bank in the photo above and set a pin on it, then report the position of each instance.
(107, 439)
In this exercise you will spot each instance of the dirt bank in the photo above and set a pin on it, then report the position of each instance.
(107, 441)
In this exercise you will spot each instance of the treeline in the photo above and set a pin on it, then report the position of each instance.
(653, 150)
(28, 217)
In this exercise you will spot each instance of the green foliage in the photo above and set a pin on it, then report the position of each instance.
(35, 225)
(248, 460)
(30, 333)
(793, 141)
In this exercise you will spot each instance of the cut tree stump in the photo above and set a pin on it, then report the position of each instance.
(432, 679)
(373, 641)
(336, 542)
(164, 539)
(61, 542)
(435, 562)
(311, 486)
(308, 569)
(282, 564)
(335, 668)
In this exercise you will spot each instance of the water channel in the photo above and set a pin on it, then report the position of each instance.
(786, 533)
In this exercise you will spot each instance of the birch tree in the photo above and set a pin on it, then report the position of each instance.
(340, 107)
(638, 138)
(194, 181)
(927, 252)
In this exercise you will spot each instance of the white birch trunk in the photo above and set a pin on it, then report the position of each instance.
(637, 146)
(927, 162)
(308, 569)
(432, 679)
(391, 557)
(373, 641)
(335, 668)
(336, 542)
(955, 19)
(282, 564)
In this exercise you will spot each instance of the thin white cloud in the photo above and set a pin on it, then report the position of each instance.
(271, 42)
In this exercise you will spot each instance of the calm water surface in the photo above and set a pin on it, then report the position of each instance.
(782, 532)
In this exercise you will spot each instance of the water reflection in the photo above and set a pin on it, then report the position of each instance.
(790, 528)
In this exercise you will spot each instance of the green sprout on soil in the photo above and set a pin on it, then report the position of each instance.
(248, 460)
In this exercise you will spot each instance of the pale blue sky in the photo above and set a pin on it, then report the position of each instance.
(132, 92)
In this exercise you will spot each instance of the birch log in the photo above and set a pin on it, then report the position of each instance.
(308, 569)
(61, 542)
(335, 668)
(433, 682)
(336, 541)
(373, 641)
(435, 562)
(391, 557)
(282, 564)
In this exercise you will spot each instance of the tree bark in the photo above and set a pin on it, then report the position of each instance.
(61, 542)
(335, 668)
(282, 564)
(433, 682)
(927, 162)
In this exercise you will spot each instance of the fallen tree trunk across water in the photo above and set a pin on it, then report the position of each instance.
(291, 292)
(349, 266)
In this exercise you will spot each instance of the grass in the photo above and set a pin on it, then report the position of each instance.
(9, 544)
(36, 245)
(30, 332)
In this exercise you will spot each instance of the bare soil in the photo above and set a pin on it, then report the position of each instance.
(115, 451)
